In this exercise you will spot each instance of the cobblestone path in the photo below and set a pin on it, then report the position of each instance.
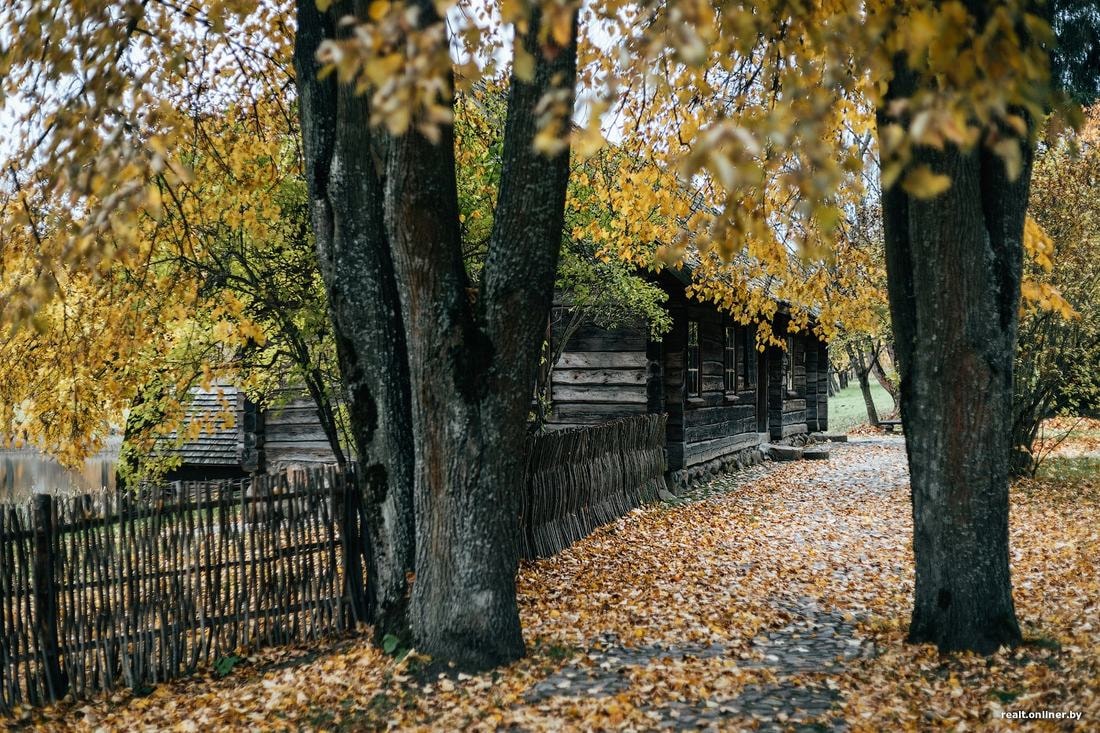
(798, 656)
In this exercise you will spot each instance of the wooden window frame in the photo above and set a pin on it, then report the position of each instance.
(748, 352)
(693, 361)
(790, 365)
(730, 378)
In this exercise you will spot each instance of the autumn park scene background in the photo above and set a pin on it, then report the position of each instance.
(547, 365)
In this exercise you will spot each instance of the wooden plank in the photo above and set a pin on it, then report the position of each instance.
(700, 433)
(719, 413)
(629, 376)
(595, 413)
(601, 360)
(601, 394)
(294, 429)
(290, 416)
(695, 453)
(592, 338)
(300, 454)
(795, 429)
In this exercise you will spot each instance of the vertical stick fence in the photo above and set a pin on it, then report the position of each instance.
(580, 479)
(98, 591)
(104, 590)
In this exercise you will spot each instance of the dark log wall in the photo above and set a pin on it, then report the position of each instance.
(817, 385)
(715, 422)
(602, 375)
(804, 408)
(252, 439)
(292, 434)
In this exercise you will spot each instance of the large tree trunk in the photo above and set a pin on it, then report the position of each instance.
(954, 267)
(472, 367)
(346, 195)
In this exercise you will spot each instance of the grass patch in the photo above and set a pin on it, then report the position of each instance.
(1070, 468)
(847, 410)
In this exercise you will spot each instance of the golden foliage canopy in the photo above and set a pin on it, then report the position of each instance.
(741, 136)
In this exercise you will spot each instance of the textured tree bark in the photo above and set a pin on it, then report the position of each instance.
(954, 268)
(346, 195)
(883, 380)
(472, 366)
(862, 372)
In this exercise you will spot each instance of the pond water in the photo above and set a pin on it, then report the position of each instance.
(23, 472)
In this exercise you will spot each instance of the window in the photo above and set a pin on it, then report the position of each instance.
(790, 364)
(694, 373)
(749, 353)
(729, 359)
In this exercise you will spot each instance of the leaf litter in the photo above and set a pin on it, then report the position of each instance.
(778, 601)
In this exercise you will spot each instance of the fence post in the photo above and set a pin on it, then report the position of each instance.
(352, 537)
(45, 595)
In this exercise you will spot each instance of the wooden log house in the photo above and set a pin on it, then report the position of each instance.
(724, 399)
(256, 439)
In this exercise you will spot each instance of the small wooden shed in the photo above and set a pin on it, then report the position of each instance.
(253, 438)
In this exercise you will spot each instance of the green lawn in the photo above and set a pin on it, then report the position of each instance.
(1070, 468)
(846, 409)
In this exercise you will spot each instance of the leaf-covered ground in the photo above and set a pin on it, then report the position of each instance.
(776, 598)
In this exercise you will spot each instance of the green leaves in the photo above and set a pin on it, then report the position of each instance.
(224, 665)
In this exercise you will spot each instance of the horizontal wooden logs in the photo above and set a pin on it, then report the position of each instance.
(601, 360)
(601, 394)
(629, 376)
(708, 450)
(590, 413)
(592, 338)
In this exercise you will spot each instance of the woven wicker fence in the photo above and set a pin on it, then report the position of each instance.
(99, 591)
(108, 590)
(580, 479)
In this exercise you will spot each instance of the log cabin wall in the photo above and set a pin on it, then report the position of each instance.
(292, 433)
(797, 386)
(822, 386)
(817, 385)
(713, 422)
(602, 375)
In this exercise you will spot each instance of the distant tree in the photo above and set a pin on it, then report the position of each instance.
(1059, 342)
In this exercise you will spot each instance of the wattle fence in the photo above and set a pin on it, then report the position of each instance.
(582, 478)
(98, 591)
(123, 589)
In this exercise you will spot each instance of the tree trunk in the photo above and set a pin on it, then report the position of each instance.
(472, 367)
(862, 372)
(885, 382)
(346, 197)
(954, 267)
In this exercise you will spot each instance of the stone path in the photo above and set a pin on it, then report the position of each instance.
(799, 657)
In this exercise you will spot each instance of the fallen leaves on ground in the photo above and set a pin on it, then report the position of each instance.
(1068, 436)
(720, 571)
